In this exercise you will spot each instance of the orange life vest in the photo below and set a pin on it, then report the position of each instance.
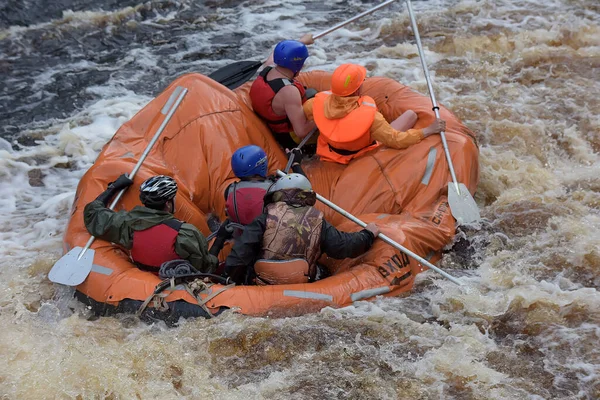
(345, 138)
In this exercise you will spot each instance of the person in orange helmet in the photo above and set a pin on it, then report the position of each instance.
(350, 124)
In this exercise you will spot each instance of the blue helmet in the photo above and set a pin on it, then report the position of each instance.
(249, 161)
(290, 54)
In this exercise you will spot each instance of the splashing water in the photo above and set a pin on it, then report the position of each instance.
(523, 75)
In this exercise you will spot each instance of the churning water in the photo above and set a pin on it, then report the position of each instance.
(524, 75)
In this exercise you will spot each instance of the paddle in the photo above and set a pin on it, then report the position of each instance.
(238, 73)
(383, 237)
(75, 266)
(462, 205)
(302, 143)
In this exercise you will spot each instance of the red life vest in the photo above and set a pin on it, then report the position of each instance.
(156, 245)
(262, 93)
(245, 200)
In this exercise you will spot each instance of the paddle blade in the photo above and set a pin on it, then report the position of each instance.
(236, 74)
(69, 270)
(463, 206)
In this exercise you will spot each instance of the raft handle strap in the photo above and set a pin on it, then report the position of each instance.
(204, 286)
(159, 296)
(159, 303)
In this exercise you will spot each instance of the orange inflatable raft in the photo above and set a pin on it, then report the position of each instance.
(404, 191)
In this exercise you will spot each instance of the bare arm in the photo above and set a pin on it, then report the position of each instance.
(306, 39)
(290, 97)
(267, 63)
(383, 132)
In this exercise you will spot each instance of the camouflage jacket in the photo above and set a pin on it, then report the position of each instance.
(292, 232)
(254, 243)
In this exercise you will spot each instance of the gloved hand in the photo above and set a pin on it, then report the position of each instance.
(122, 182)
(234, 276)
(224, 273)
(225, 231)
(296, 154)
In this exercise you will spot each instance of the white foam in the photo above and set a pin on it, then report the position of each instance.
(35, 217)
(538, 128)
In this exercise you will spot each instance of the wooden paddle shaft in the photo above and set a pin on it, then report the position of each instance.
(181, 91)
(415, 28)
(383, 237)
(348, 21)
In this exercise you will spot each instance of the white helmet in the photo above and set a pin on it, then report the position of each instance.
(291, 181)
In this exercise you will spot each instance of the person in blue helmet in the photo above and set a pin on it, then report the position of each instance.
(277, 97)
(244, 198)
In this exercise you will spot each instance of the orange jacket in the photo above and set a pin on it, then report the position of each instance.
(336, 107)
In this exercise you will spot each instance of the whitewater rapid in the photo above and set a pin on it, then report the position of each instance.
(523, 75)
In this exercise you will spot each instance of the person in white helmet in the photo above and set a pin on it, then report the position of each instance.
(283, 244)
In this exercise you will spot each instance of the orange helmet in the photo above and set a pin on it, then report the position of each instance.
(347, 78)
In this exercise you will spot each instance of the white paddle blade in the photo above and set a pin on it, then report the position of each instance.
(69, 270)
(463, 206)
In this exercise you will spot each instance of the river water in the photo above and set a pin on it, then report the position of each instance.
(524, 75)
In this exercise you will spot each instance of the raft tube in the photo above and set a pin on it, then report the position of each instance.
(403, 191)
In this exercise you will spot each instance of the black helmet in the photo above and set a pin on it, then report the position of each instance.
(155, 192)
